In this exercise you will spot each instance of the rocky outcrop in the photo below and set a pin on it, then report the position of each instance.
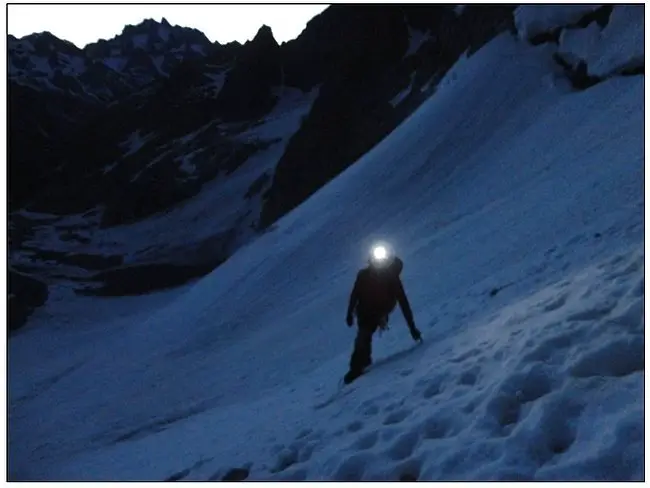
(365, 63)
(26, 293)
(247, 91)
(60, 95)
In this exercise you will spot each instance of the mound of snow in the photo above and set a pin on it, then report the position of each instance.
(620, 46)
(532, 20)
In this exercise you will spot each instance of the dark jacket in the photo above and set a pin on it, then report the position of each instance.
(377, 291)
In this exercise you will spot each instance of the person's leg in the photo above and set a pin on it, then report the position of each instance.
(362, 354)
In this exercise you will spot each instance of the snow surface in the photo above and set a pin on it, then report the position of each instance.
(531, 20)
(429, 84)
(186, 164)
(416, 39)
(619, 46)
(579, 44)
(397, 99)
(218, 80)
(517, 207)
(135, 142)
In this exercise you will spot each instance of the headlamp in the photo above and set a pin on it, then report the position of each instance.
(379, 253)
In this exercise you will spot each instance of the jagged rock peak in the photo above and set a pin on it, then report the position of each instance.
(264, 35)
(44, 41)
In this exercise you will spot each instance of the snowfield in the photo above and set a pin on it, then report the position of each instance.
(517, 207)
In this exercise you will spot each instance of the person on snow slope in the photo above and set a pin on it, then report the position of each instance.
(376, 291)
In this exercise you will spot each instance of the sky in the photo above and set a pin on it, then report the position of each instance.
(84, 24)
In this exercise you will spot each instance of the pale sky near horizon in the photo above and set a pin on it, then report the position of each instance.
(83, 24)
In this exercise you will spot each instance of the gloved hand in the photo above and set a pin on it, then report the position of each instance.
(415, 333)
(350, 320)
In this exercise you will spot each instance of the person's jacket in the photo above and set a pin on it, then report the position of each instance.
(376, 292)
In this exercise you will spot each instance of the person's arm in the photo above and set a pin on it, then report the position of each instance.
(406, 310)
(354, 299)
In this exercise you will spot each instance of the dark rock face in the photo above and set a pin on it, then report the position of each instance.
(25, 295)
(246, 94)
(352, 41)
(86, 261)
(352, 113)
(145, 278)
(69, 113)
(38, 122)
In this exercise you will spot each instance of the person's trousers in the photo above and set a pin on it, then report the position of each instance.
(362, 353)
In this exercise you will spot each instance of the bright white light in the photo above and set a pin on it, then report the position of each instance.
(379, 253)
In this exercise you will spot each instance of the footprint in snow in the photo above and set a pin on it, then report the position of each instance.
(632, 317)
(404, 445)
(554, 303)
(293, 474)
(470, 376)
(552, 346)
(596, 312)
(436, 427)
(369, 409)
(393, 406)
(304, 433)
(409, 469)
(396, 417)
(618, 358)
(466, 355)
(355, 426)
(388, 433)
(366, 441)
(503, 410)
(629, 269)
(553, 430)
(432, 386)
(354, 468)
(286, 457)
(639, 289)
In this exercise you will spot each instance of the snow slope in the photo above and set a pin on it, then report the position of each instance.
(516, 205)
